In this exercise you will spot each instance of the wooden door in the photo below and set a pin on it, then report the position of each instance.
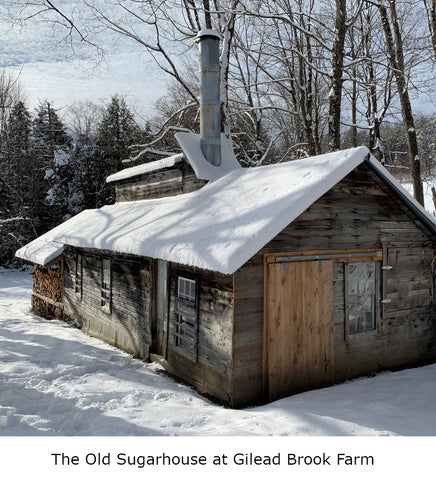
(299, 326)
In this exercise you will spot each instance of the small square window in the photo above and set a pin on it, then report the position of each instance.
(186, 289)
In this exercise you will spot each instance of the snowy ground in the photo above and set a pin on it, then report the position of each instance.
(56, 380)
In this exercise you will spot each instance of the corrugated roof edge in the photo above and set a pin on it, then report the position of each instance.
(419, 211)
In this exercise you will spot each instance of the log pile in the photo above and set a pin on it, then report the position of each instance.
(48, 292)
(48, 283)
(46, 310)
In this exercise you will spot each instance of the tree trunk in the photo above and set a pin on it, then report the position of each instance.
(396, 60)
(335, 95)
(430, 6)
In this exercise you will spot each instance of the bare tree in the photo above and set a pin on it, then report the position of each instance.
(430, 7)
(10, 93)
(84, 117)
(371, 91)
(335, 95)
(395, 50)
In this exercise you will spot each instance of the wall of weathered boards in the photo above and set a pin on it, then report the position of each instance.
(360, 212)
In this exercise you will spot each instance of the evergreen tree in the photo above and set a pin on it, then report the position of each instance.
(19, 185)
(116, 133)
(20, 171)
(52, 148)
(88, 183)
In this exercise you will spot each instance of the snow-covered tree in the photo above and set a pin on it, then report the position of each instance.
(19, 183)
(52, 147)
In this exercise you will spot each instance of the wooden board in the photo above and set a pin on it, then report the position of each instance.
(300, 349)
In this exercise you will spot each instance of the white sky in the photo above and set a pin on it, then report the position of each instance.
(50, 70)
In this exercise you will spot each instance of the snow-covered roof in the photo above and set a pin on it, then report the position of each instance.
(190, 144)
(226, 222)
(145, 168)
(41, 251)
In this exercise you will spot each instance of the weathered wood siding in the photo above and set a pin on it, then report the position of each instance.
(211, 370)
(358, 213)
(163, 183)
(127, 324)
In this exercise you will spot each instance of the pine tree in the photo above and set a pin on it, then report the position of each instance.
(88, 182)
(52, 148)
(20, 179)
(116, 133)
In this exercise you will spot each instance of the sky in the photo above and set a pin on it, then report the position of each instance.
(49, 69)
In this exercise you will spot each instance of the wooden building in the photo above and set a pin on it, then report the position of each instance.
(254, 284)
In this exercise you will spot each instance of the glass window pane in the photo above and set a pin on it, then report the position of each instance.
(186, 289)
(361, 290)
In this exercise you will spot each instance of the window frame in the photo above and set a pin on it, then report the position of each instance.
(375, 299)
(106, 289)
(185, 318)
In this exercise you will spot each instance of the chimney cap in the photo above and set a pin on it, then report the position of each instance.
(208, 33)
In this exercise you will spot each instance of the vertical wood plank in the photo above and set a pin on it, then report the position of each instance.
(300, 326)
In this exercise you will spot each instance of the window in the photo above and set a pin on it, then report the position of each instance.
(106, 285)
(78, 279)
(186, 289)
(361, 293)
(185, 320)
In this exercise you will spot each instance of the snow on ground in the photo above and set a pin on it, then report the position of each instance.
(56, 380)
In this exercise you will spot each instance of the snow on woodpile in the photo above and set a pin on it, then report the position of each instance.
(44, 249)
(145, 168)
(40, 251)
(218, 227)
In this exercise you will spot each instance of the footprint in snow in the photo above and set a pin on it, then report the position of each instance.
(161, 397)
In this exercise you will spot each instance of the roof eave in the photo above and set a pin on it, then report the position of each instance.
(417, 209)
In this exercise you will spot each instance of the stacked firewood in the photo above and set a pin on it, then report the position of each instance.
(48, 282)
(45, 310)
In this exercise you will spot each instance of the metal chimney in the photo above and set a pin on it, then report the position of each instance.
(210, 105)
